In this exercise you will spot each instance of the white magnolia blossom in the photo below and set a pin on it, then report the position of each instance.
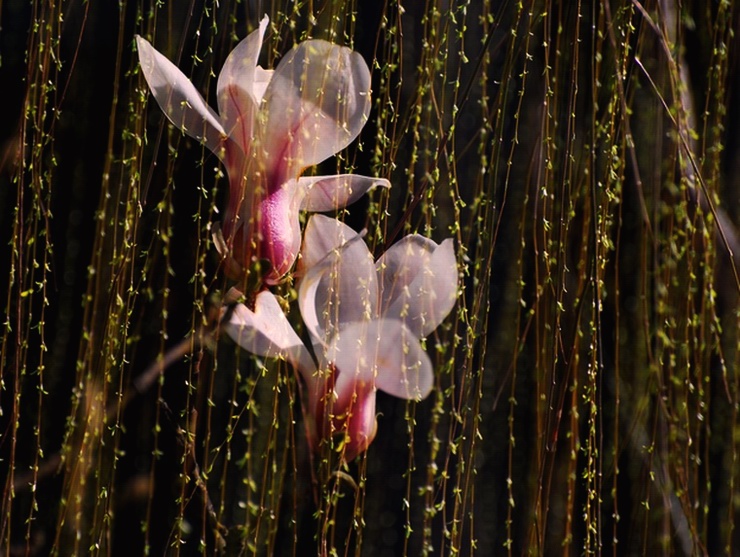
(365, 319)
(271, 125)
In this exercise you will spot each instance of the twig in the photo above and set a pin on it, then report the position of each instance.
(54, 464)
(192, 469)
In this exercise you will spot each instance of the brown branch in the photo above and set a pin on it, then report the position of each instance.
(54, 464)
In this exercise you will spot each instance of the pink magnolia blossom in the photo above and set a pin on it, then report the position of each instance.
(364, 319)
(271, 126)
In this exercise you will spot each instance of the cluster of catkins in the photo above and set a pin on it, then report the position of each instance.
(364, 318)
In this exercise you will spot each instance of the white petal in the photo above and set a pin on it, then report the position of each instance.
(418, 282)
(261, 81)
(267, 332)
(237, 101)
(338, 290)
(384, 353)
(322, 236)
(330, 193)
(179, 99)
(316, 103)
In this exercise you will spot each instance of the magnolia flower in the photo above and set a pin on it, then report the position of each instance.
(364, 320)
(272, 124)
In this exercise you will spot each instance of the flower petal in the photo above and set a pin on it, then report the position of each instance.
(237, 98)
(322, 236)
(383, 353)
(279, 233)
(267, 332)
(258, 226)
(261, 81)
(316, 103)
(361, 425)
(340, 289)
(179, 99)
(418, 282)
(330, 193)
(348, 425)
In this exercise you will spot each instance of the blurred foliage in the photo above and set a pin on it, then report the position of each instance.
(586, 158)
